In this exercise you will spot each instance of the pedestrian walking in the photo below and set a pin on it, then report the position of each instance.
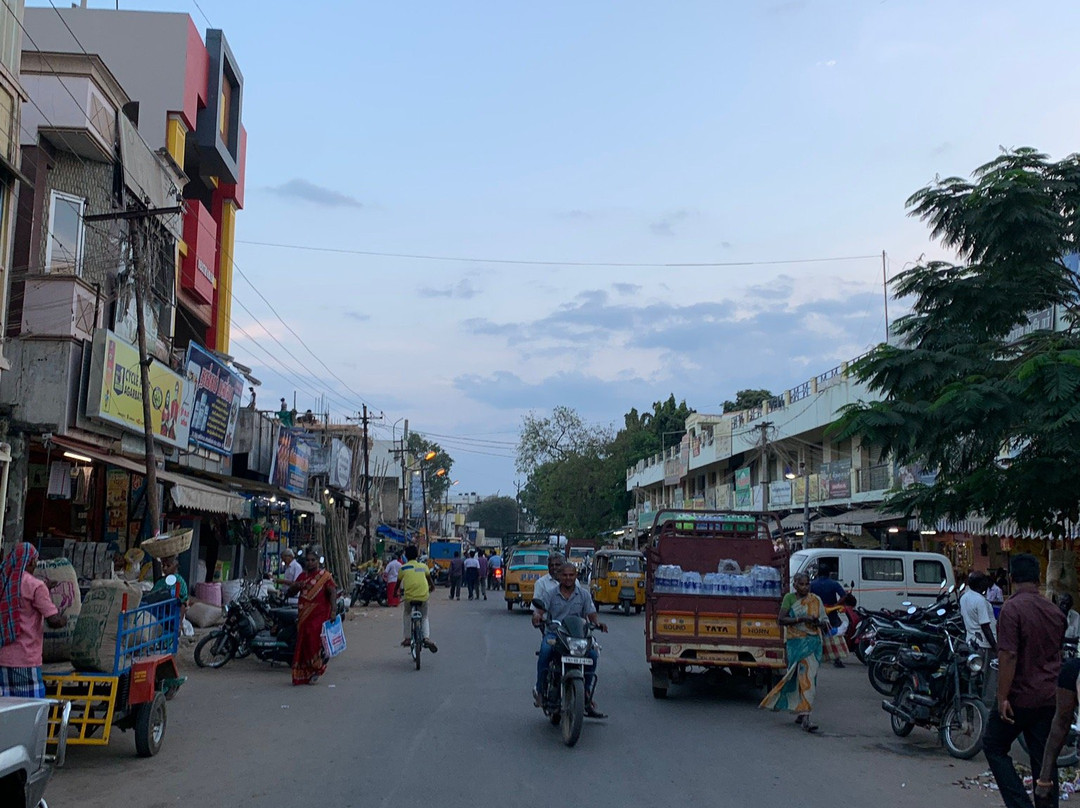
(472, 574)
(318, 596)
(457, 572)
(1030, 632)
(25, 609)
(482, 578)
(390, 575)
(802, 614)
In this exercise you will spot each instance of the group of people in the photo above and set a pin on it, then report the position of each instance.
(476, 570)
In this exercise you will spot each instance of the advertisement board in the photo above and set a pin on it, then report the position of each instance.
(115, 391)
(743, 496)
(214, 394)
(340, 465)
(289, 469)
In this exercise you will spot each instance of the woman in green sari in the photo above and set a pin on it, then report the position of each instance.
(802, 614)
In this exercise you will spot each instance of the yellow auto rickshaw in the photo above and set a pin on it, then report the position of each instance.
(618, 579)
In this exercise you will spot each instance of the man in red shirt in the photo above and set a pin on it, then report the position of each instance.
(25, 607)
(1031, 630)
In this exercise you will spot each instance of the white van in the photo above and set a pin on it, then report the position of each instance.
(880, 579)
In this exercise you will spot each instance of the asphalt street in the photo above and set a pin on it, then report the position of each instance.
(462, 731)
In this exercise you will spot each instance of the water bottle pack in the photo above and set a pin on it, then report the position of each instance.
(729, 581)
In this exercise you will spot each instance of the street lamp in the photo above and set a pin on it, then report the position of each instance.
(804, 470)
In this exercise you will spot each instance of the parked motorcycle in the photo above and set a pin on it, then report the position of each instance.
(941, 690)
(368, 587)
(917, 629)
(252, 625)
(563, 694)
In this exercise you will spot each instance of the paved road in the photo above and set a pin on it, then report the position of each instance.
(463, 732)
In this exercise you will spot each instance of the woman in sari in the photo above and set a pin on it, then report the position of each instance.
(318, 596)
(802, 614)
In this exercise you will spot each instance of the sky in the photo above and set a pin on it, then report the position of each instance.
(776, 141)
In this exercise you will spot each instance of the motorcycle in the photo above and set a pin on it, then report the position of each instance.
(496, 581)
(941, 690)
(563, 694)
(916, 629)
(251, 625)
(369, 587)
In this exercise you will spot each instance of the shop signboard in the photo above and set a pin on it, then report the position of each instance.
(416, 497)
(214, 394)
(289, 468)
(743, 495)
(340, 465)
(779, 493)
(836, 479)
(115, 391)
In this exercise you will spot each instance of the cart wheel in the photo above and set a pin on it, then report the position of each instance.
(150, 726)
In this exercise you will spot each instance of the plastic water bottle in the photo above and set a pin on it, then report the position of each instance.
(741, 586)
(724, 584)
(772, 582)
(710, 584)
(660, 580)
(691, 583)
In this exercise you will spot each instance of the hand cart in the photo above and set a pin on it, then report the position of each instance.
(133, 695)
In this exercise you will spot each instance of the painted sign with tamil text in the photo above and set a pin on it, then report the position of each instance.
(214, 393)
(115, 391)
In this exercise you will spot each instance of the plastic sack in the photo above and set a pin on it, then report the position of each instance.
(333, 637)
(729, 566)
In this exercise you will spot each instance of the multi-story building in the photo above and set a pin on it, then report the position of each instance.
(189, 94)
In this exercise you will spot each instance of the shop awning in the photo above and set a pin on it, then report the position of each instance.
(199, 496)
(186, 492)
(794, 521)
(305, 505)
(861, 516)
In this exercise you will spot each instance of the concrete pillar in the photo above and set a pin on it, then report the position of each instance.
(18, 481)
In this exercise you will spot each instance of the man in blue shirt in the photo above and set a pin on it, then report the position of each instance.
(831, 593)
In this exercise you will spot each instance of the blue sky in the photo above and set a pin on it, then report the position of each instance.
(618, 132)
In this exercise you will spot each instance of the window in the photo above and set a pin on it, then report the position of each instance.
(64, 251)
(829, 563)
(928, 571)
(882, 569)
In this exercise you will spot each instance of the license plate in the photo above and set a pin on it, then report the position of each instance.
(719, 656)
(576, 660)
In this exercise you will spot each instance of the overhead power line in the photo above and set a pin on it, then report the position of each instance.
(525, 262)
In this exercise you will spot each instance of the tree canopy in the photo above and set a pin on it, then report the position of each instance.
(577, 471)
(497, 516)
(747, 400)
(418, 446)
(972, 386)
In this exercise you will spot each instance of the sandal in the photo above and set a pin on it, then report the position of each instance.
(799, 719)
(592, 712)
(809, 726)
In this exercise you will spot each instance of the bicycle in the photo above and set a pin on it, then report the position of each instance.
(416, 636)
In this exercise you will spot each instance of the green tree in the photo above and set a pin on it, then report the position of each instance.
(418, 446)
(747, 400)
(994, 411)
(497, 516)
(551, 438)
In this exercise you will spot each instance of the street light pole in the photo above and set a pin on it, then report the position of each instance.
(805, 469)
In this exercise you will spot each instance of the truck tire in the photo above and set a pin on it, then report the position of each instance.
(659, 692)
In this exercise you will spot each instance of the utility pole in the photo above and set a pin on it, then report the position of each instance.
(764, 426)
(140, 255)
(366, 554)
(885, 288)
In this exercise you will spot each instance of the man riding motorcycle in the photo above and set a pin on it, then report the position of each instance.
(571, 598)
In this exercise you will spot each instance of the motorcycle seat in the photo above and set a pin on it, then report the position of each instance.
(285, 613)
(917, 660)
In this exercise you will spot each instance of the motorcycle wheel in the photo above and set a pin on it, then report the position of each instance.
(555, 718)
(884, 676)
(573, 710)
(962, 727)
(860, 650)
(384, 602)
(900, 727)
(215, 649)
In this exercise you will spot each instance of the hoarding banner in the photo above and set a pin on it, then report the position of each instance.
(115, 391)
(340, 465)
(743, 497)
(780, 493)
(416, 498)
(836, 479)
(215, 393)
(289, 469)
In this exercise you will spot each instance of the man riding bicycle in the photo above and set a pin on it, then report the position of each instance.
(415, 585)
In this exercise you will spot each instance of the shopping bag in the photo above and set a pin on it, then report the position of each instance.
(333, 637)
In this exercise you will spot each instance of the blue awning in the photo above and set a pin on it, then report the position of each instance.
(388, 532)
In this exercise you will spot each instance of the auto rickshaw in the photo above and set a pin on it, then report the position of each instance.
(618, 579)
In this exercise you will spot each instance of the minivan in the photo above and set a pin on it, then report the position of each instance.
(880, 579)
